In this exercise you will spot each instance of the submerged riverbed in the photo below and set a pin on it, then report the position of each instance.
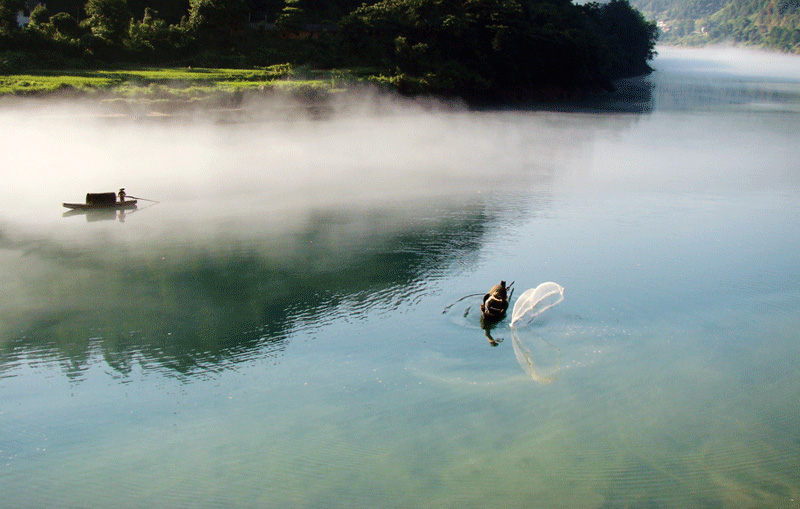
(280, 328)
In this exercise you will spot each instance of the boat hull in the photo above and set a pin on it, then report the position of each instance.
(126, 205)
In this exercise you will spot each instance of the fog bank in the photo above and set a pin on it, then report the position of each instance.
(728, 61)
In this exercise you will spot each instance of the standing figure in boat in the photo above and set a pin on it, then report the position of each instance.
(121, 195)
(495, 303)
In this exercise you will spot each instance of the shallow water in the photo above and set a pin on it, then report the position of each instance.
(280, 329)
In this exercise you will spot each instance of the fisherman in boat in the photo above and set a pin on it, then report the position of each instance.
(495, 303)
(121, 195)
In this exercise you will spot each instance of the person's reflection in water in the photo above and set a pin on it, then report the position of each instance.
(121, 215)
(487, 326)
(487, 323)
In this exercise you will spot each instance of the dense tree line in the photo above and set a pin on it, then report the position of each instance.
(769, 23)
(478, 48)
(500, 47)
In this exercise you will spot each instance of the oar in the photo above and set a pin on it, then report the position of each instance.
(143, 199)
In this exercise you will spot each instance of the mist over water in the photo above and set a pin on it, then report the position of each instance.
(279, 170)
(283, 324)
(735, 62)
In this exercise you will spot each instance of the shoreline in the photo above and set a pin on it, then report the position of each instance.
(316, 92)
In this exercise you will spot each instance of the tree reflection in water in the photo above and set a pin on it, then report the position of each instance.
(188, 310)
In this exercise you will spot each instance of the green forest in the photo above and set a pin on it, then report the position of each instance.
(475, 49)
(773, 24)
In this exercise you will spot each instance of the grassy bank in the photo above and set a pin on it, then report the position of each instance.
(179, 84)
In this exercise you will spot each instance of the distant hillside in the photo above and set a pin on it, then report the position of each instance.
(773, 24)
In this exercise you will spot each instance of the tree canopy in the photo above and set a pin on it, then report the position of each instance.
(506, 47)
(216, 21)
(8, 16)
(109, 19)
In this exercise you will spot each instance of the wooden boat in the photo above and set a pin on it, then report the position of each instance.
(102, 201)
(127, 204)
(495, 303)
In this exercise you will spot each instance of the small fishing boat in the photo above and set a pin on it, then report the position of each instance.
(96, 201)
(495, 303)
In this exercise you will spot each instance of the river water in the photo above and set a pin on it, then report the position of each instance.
(292, 321)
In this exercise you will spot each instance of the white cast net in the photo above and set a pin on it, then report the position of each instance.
(535, 301)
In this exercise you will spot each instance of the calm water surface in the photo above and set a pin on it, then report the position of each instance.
(280, 329)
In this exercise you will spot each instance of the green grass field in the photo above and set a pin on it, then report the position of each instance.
(175, 83)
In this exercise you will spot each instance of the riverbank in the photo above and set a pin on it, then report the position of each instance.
(170, 91)
(159, 92)
(183, 83)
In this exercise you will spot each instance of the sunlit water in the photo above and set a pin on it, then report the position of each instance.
(284, 327)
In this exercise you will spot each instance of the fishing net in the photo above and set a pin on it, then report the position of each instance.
(535, 301)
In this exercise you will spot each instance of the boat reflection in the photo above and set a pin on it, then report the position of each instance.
(488, 326)
(100, 214)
